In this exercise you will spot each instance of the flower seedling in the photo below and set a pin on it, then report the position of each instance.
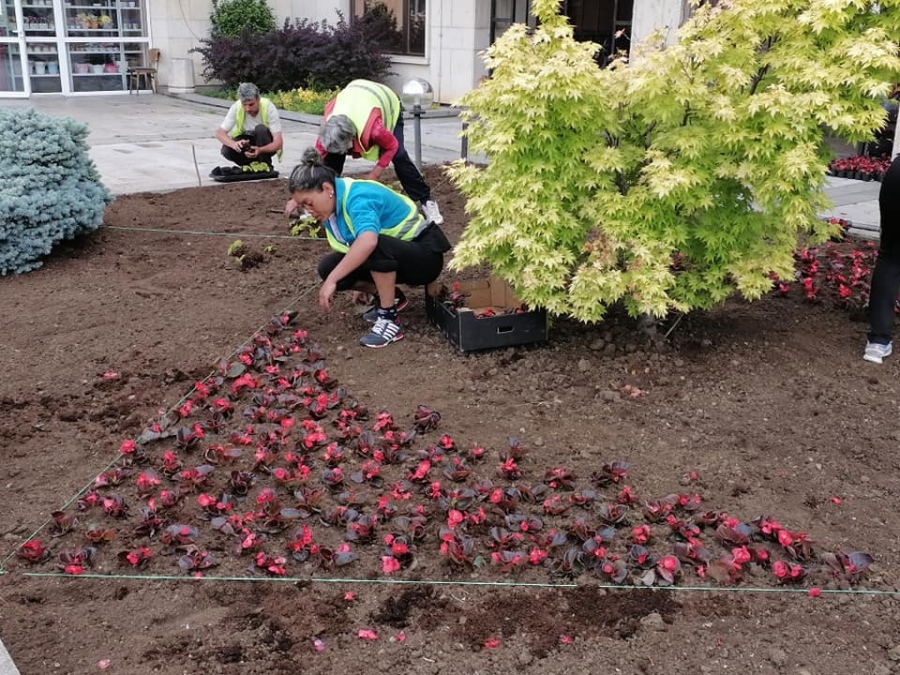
(425, 419)
(33, 551)
(62, 523)
(221, 454)
(848, 566)
(74, 561)
(273, 565)
(97, 534)
(196, 560)
(179, 536)
(613, 472)
(789, 572)
(664, 572)
(137, 559)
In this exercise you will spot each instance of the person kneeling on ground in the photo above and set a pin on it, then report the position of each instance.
(365, 120)
(378, 237)
(886, 277)
(251, 131)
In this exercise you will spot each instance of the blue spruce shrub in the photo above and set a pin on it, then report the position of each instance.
(50, 190)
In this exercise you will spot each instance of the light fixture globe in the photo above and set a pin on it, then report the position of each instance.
(417, 91)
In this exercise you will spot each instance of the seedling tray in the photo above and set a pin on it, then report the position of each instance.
(470, 330)
(242, 176)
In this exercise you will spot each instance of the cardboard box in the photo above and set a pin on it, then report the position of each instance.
(467, 330)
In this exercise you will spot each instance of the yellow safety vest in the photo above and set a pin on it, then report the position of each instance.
(407, 229)
(358, 99)
(241, 114)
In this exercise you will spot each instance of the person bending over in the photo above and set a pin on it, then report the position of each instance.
(251, 134)
(886, 277)
(365, 120)
(378, 237)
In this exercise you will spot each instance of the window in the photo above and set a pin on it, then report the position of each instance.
(400, 24)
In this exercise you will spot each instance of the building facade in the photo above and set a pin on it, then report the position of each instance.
(81, 47)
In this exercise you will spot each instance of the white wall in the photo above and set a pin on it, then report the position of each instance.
(176, 27)
(650, 15)
(457, 31)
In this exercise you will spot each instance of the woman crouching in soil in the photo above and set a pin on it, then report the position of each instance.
(378, 237)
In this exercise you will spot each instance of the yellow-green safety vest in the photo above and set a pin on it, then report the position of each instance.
(407, 229)
(358, 99)
(241, 114)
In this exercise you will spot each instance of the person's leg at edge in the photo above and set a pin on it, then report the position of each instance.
(885, 286)
(886, 276)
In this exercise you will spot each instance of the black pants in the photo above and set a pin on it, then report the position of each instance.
(261, 136)
(407, 173)
(886, 277)
(416, 263)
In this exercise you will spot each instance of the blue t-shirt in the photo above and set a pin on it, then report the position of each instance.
(371, 206)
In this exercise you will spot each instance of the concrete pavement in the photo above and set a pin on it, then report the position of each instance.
(149, 142)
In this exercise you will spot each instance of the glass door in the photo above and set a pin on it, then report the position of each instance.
(39, 21)
(14, 81)
(103, 40)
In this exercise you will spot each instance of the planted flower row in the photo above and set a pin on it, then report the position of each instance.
(838, 275)
(271, 466)
(860, 167)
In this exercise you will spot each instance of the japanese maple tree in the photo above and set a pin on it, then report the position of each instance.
(680, 178)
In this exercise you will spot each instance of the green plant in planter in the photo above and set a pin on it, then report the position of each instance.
(676, 180)
(232, 17)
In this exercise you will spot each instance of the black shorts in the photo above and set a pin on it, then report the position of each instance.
(417, 262)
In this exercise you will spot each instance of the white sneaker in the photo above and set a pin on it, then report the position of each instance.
(432, 213)
(876, 353)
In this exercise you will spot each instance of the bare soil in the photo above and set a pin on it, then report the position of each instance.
(762, 409)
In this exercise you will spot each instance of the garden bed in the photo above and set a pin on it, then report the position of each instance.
(761, 411)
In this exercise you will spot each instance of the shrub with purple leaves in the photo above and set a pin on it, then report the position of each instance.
(301, 55)
(50, 190)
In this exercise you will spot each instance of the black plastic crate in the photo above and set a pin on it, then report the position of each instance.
(468, 329)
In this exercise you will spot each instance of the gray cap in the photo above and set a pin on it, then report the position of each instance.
(337, 134)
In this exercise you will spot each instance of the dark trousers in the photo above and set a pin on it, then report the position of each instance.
(261, 136)
(885, 286)
(886, 277)
(407, 173)
(416, 263)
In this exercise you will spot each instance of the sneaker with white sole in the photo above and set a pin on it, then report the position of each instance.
(876, 353)
(400, 303)
(383, 333)
(432, 212)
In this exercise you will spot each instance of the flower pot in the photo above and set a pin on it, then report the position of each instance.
(52, 68)
(97, 69)
(82, 68)
(40, 68)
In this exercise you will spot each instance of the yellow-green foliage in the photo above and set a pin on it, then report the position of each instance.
(302, 100)
(711, 151)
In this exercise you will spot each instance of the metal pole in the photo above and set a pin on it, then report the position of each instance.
(417, 133)
(464, 146)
